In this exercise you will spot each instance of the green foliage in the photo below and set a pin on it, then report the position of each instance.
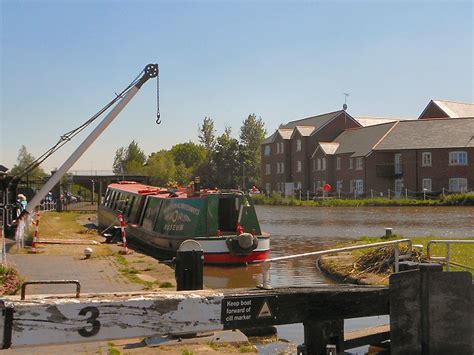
(226, 158)
(24, 160)
(161, 168)
(130, 160)
(252, 134)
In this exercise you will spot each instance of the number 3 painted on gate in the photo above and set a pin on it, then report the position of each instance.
(92, 320)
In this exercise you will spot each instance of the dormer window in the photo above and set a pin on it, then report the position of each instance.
(298, 145)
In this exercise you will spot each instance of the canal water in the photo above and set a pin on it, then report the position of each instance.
(296, 230)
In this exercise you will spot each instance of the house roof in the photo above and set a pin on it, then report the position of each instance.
(452, 109)
(315, 121)
(304, 131)
(329, 148)
(430, 134)
(361, 141)
(366, 121)
(282, 132)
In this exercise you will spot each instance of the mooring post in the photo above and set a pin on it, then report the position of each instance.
(189, 272)
(319, 334)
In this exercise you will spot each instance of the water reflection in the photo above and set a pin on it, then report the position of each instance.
(297, 230)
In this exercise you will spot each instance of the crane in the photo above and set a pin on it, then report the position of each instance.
(150, 71)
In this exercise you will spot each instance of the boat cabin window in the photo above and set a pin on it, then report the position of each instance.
(130, 207)
(152, 207)
(112, 199)
(228, 213)
(107, 197)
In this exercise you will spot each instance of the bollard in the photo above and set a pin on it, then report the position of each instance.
(189, 272)
(388, 232)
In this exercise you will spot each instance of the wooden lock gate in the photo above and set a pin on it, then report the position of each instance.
(52, 320)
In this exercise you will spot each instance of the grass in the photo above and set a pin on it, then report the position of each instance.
(112, 350)
(65, 222)
(465, 199)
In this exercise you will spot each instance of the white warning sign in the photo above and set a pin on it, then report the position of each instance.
(265, 311)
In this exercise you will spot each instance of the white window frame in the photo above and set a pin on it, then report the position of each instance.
(267, 150)
(359, 163)
(282, 147)
(339, 185)
(298, 145)
(426, 159)
(338, 163)
(318, 167)
(398, 187)
(359, 186)
(323, 164)
(427, 184)
(458, 157)
(398, 163)
(458, 184)
(298, 166)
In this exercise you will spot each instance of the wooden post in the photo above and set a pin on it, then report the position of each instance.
(189, 270)
(430, 311)
(318, 334)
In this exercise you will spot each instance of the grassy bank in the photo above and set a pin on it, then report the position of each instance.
(466, 199)
(374, 265)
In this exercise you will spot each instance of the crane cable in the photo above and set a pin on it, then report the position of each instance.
(66, 137)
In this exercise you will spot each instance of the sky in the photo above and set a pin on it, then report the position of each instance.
(61, 61)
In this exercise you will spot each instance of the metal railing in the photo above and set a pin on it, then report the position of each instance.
(266, 264)
(447, 258)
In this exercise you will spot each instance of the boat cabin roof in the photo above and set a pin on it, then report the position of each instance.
(162, 192)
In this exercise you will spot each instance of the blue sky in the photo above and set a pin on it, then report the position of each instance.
(283, 60)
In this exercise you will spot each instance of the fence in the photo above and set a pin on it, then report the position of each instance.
(371, 193)
(446, 259)
(396, 243)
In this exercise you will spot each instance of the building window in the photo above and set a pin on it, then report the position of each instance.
(338, 163)
(314, 164)
(360, 186)
(458, 184)
(339, 185)
(298, 185)
(458, 158)
(426, 159)
(319, 164)
(323, 164)
(282, 147)
(351, 163)
(351, 185)
(268, 187)
(298, 145)
(267, 150)
(267, 169)
(298, 166)
(398, 187)
(426, 184)
(280, 168)
(398, 163)
(359, 163)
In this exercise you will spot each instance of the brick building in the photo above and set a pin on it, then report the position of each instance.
(369, 156)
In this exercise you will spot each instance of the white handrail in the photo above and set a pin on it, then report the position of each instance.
(266, 263)
(448, 249)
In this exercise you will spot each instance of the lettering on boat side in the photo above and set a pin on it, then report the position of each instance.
(248, 311)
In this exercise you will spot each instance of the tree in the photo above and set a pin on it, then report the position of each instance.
(161, 168)
(252, 134)
(190, 154)
(207, 137)
(130, 160)
(24, 160)
(226, 158)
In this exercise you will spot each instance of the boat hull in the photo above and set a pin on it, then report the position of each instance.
(215, 248)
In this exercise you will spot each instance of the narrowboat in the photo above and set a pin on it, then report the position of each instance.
(223, 222)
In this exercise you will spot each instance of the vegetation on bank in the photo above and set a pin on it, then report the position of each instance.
(10, 281)
(462, 199)
(375, 265)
